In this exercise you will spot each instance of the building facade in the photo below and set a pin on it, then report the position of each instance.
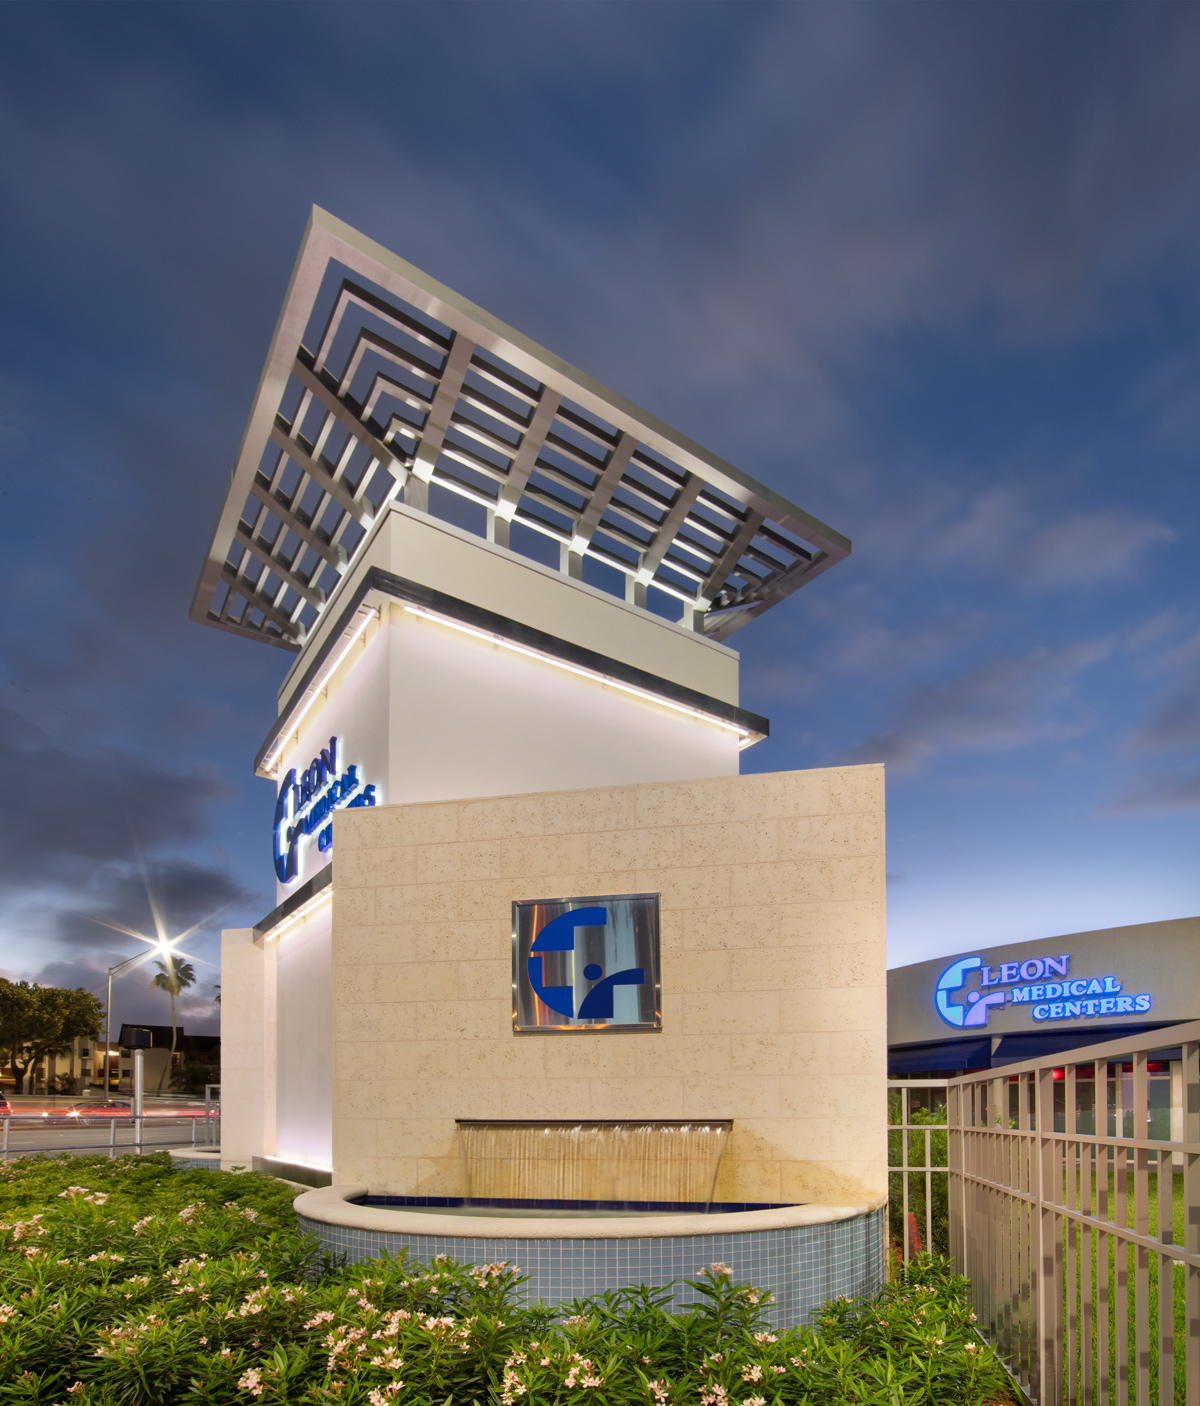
(520, 876)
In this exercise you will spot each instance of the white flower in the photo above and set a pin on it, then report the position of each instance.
(251, 1381)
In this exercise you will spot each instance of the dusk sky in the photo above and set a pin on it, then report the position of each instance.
(930, 271)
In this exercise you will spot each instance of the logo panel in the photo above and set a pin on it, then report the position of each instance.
(966, 994)
(583, 964)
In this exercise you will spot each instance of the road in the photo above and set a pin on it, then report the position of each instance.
(25, 1132)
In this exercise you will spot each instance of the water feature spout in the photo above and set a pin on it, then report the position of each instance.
(619, 1163)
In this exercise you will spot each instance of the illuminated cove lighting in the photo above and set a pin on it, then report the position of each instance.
(287, 1160)
(271, 761)
(746, 739)
(301, 915)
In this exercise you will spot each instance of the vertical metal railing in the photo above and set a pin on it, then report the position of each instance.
(212, 1106)
(1074, 1210)
(209, 1123)
(917, 1170)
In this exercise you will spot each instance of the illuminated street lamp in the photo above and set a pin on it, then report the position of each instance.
(161, 947)
(135, 960)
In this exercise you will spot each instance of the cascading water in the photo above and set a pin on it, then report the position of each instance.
(608, 1162)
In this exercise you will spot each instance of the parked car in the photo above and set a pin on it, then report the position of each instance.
(5, 1107)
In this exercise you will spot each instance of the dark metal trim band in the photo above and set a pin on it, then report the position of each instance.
(308, 889)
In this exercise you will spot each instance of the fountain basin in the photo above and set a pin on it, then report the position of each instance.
(802, 1255)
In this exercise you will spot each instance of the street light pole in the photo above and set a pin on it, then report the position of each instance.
(128, 962)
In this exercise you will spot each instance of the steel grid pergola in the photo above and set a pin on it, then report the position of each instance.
(382, 385)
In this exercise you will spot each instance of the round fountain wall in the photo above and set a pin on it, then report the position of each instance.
(585, 1207)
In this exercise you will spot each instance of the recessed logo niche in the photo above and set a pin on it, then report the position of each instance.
(583, 964)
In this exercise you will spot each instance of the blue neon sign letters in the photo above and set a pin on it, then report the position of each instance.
(1076, 998)
(308, 800)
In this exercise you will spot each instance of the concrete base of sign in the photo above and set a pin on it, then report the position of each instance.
(801, 1255)
(195, 1159)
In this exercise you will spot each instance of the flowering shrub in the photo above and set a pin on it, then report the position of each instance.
(124, 1284)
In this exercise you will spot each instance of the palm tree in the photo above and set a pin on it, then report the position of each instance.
(173, 977)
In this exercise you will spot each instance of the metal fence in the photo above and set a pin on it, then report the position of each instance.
(36, 1139)
(917, 1170)
(1074, 1195)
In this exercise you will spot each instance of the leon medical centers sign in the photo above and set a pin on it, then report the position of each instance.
(305, 804)
(1144, 975)
(1024, 983)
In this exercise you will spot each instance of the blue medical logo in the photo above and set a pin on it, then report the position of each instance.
(975, 1013)
(558, 935)
(586, 964)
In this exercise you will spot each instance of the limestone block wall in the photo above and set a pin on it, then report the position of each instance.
(774, 980)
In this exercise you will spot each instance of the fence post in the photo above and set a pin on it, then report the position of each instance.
(906, 1236)
(1141, 1226)
(1191, 1218)
(1070, 1229)
(929, 1189)
(1026, 1235)
(1049, 1254)
(138, 1094)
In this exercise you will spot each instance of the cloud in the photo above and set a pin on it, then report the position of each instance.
(1000, 531)
(76, 810)
(993, 524)
(1085, 549)
(879, 651)
(183, 892)
(1176, 722)
(1003, 704)
(1160, 795)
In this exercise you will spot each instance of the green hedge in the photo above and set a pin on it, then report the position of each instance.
(123, 1283)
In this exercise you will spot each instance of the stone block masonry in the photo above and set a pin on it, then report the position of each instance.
(773, 976)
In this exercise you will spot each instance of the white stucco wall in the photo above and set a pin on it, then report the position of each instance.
(429, 713)
(304, 1033)
(247, 1049)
